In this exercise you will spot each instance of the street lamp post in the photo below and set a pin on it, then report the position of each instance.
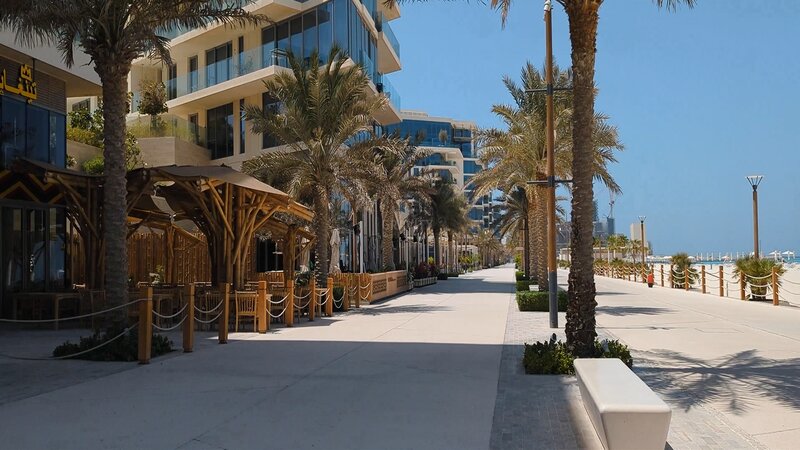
(644, 255)
(754, 181)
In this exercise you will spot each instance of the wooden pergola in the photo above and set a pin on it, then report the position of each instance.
(228, 207)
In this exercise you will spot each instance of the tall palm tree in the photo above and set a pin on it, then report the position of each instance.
(114, 33)
(456, 221)
(517, 155)
(445, 204)
(513, 222)
(325, 126)
(393, 184)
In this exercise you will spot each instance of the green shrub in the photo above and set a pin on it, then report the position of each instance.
(520, 275)
(125, 348)
(757, 272)
(522, 285)
(452, 275)
(554, 358)
(540, 301)
(441, 276)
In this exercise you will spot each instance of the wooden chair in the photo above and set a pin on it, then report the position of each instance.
(246, 307)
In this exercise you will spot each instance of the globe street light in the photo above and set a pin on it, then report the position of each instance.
(754, 181)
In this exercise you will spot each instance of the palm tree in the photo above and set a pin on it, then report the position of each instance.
(445, 204)
(114, 33)
(390, 179)
(456, 222)
(515, 220)
(517, 155)
(325, 125)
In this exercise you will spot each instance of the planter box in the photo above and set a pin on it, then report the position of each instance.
(386, 284)
(424, 282)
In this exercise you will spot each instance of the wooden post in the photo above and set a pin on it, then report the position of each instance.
(262, 306)
(741, 284)
(145, 325)
(329, 304)
(775, 300)
(358, 290)
(703, 277)
(347, 297)
(721, 282)
(671, 276)
(188, 325)
(662, 275)
(686, 279)
(312, 302)
(288, 316)
(226, 307)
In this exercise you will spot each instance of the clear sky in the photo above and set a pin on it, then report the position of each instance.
(701, 97)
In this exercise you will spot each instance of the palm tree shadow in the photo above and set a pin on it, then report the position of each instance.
(736, 379)
(632, 310)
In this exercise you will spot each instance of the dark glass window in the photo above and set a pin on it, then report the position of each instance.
(37, 145)
(57, 242)
(471, 167)
(325, 30)
(194, 128)
(270, 105)
(310, 35)
(267, 46)
(218, 64)
(219, 123)
(296, 38)
(242, 126)
(282, 35)
(58, 139)
(13, 129)
(340, 21)
(241, 63)
(172, 81)
(37, 250)
(193, 78)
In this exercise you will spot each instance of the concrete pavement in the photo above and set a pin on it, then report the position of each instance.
(713, 359)
(418, 371)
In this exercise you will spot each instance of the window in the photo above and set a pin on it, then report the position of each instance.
(270, 105)
(194, 128)
(267, 46)
(282, 36)
(296, 38)
(340, 20)
(193, 78)
(325, 31)
(57, 141)
(310, 35)
(172, 81)
(219, 122)
(13, 129)
(83, 104)
(218, 64)
(241, 64)
(37, 145)
(242, 126)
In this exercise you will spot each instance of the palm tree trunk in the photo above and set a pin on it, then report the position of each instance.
(387, 249)
(532, 248)
(436, 249)
(450, 254)
(526, 249)
(541, 238)
(322, 230)
(580, 327)
(115, 226)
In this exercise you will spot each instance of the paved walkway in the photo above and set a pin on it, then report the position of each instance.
(730, 369)
(415, 372)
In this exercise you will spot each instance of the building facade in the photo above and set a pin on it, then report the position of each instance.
(34, 85)
(219, 70)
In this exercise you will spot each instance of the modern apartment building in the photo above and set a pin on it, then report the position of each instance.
(218, 70)
(453, 155)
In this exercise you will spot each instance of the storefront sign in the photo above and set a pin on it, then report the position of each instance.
(25, 86)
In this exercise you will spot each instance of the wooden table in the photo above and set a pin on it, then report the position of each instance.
(55, 297)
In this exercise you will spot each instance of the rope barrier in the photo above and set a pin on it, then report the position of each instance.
(276, 302)
(155, 313)
(279, 314)
(25, 358)
(61, 319)
(201, 311)
(172, 327)
(209, 321)
(758, 278)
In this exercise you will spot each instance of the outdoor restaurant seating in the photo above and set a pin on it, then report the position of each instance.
(246, 307)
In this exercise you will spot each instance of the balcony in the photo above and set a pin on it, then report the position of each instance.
(385, 87)
(388, 48)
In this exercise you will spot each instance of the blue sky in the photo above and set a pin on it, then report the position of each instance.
(701, 97)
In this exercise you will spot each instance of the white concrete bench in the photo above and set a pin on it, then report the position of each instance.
(625, 412)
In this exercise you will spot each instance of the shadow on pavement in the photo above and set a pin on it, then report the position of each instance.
(632, 310)
(689, 381)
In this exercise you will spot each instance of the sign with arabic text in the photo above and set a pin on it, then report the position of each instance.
(24, 86)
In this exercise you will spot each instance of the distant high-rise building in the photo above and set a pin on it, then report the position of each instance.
(636, 231)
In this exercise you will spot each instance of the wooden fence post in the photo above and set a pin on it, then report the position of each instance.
(226, 307)
(188, 325)
(329, 304)
(312, 302)
(741, 284)
(686, 279)
(703, 277)
(288, 316)
(262, 306)
(145, 325)
(775, 299)
(662, 275)
(348, 280)
(721, 282)
(359, 277)
(671, 276)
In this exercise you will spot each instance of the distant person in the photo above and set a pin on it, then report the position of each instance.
(650, 279)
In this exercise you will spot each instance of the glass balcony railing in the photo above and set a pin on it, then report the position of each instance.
(236, 66)
(386, 29)
(167, 125)
(391, 93)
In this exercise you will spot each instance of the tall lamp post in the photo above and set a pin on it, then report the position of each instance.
(641, 237)
(754, 181)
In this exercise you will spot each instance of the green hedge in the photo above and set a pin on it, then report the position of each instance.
(553, 357)
(540, 301)
(522, 285)
(520, 275)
